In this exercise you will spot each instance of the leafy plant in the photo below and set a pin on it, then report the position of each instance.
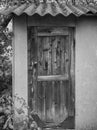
(12, 116)
(5, 60)
(6, 112)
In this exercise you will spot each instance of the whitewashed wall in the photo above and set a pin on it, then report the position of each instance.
(86, 73)
(85, 68)
(20, 71)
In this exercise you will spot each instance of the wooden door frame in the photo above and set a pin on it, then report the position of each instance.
(72, 70)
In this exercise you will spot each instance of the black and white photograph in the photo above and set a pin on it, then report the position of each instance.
(48, 64)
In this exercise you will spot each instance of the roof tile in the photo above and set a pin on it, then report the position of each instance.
(53, 9)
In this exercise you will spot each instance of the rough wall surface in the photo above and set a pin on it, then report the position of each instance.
(20, 71)
(86, 74)
(85, 69)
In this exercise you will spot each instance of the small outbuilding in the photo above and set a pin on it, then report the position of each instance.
(55, 62)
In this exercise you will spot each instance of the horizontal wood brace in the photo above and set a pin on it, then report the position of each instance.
(51, 34)
(53, 78)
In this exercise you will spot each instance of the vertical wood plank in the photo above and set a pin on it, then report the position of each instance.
(33, 62)
(40, 56)
(72, 73)
(44, 102)
(53, 98)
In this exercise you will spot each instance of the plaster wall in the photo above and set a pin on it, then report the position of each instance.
(85, 69)
(86, 74)
(20, 71)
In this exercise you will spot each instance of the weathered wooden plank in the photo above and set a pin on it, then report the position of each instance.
(58, 54)
(39, 98)
(46, 55)
(29, 71)
(44, 66)
(44, 101)
(70, 110)
(40, 43)
(48, 101)
(62, 97)
(52, 34)
(52, 77)
(33, 63)
(63, 50)
(57, 101)
(53, 100)
(67, 56)
(50, 57)
(53, 61)
(72, 73)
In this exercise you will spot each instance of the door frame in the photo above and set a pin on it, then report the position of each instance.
(72, 67)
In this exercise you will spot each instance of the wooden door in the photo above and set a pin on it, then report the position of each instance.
(52, 61)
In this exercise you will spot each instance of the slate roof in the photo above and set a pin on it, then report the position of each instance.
(53, 9)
